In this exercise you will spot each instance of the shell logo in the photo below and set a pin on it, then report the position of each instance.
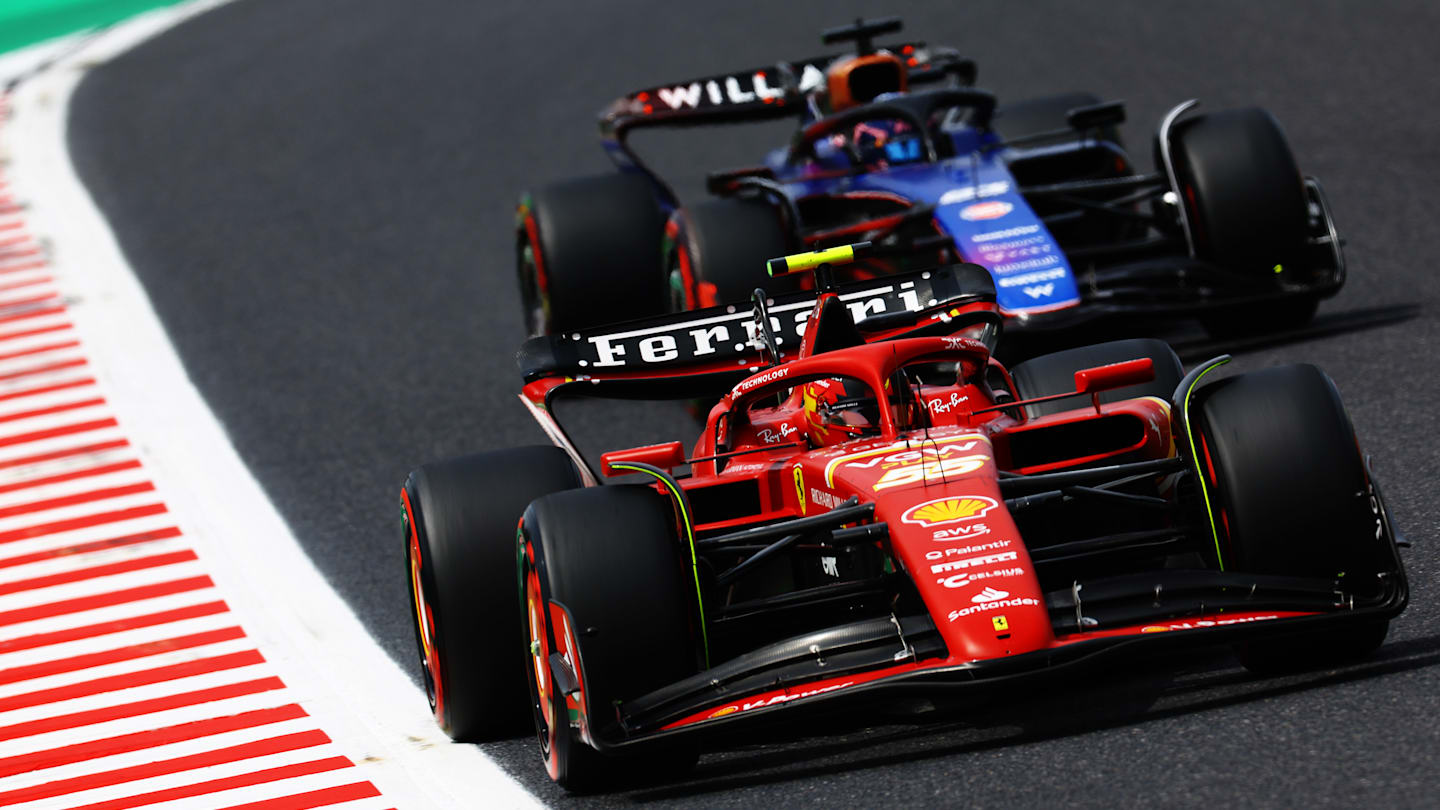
(1154, 628)
(723, 712)
(948, 510)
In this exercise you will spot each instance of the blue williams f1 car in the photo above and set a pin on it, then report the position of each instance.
(1042, 193)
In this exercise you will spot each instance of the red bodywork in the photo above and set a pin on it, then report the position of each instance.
(936, 486)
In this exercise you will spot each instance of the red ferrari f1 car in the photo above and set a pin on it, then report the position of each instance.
(877, 506)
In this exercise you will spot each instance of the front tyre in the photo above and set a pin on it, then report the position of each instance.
(1245, 200)
(588, 253)
(1289, 495)
(605, 600)
(459, 518)
(719, 249)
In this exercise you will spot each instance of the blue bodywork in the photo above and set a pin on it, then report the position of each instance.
(976, 203)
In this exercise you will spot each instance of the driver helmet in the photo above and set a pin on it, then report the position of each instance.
(855, 80)
(837, 410)
(885, 141)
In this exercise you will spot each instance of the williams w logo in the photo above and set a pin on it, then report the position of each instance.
(1040, 291)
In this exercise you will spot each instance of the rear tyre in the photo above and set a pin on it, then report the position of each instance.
(1245, 199)
(603, 586)
(720, 250)
(1291, 497)
(588, 253)
(1055, 373)
(459, 518)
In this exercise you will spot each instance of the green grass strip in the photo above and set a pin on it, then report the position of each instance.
(26, 22)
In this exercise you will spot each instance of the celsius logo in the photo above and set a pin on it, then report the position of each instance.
(989, 595)
(986, 210)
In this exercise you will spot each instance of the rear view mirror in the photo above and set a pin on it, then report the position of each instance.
(665, 456)
(1116, 375)
(1095, 116)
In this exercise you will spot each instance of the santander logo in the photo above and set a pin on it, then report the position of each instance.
(989, 595)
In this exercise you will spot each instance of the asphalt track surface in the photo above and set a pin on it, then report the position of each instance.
(318, 198)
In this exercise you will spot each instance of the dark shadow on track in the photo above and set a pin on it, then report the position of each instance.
(1193, 344)
(1327, 325)
(1156, 689)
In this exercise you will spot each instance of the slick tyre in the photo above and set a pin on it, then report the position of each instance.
(459, 519)
(604, 587)
(719, 252)
(588, 253)
(1289, 495)
(1245, 200)
(1055, 373)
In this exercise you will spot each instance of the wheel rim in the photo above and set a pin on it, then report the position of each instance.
(539, 656)
(530, 265)
(677, 287)
(680, 275)
(533, 303)
(545, 704)
(422, 613)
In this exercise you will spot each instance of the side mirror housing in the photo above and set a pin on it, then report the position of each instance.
(1116, 375)
(666, 456)
(1110, 113)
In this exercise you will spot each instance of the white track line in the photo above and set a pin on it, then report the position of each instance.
(347, 686)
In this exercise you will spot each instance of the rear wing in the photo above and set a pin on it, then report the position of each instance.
(754, 95)
(761, 94)
(706, 352)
